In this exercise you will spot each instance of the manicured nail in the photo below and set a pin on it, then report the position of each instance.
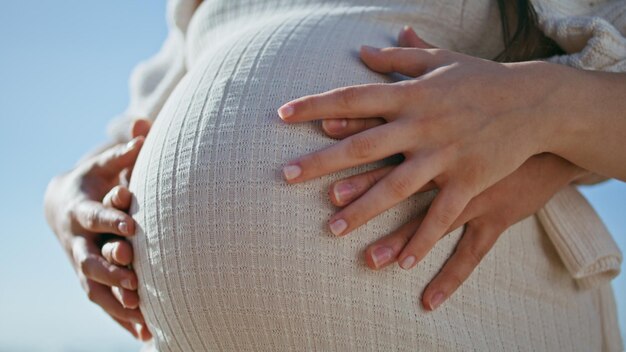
(123, 227)
(335, 125)
(285, 111)
(132, 144)
(291, 171)
(139, 329)
(407, 262)
(343, 191)
(338, 226)
(436, 300)
(381, 255)
(126, 284)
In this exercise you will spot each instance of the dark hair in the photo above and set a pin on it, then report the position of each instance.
(527, 42)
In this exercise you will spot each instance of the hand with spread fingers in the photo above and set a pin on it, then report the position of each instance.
(87, 209)
(486, 217)
(460, 127)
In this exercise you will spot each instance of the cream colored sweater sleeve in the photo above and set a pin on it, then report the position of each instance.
(591, 32)
(153, 80)
(593, 35)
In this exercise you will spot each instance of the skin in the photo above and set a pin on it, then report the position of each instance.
(86, 208)
(464, 125)
(485, 215)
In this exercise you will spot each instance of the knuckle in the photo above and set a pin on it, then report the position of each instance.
(370, 179)
(478, 225)
(360, 146)
(445, 217)
(348, 97)
(91, 218)
(400, 187)
(473, 256)
(85, 265)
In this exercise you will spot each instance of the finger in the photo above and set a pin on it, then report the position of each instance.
(95, 217)
(112, 161)
(342, 128)
(406, 179)
(128, 326)
(345, 191)
(143, 332)
(118, 252)
(384, 251)
(361, 101)
(140, 128)
(119, 197)
(409, 39)
(99, 270)
(129, 299)
(96, 268)
(124, 177)
(471, 249)
(102, 296)
(445, 209)
(365, 147)
(411, 62)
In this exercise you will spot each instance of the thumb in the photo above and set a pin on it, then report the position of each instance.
(115, 159)
(407, 38)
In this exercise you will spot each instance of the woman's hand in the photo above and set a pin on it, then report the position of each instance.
(463, 123)
(486, 217)
(85, 210)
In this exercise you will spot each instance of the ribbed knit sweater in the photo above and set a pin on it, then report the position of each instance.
(230, 258)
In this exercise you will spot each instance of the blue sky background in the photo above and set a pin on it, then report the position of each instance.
(64, 67)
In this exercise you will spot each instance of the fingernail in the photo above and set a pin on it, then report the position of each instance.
(285, 111)
(370, 49)
(132, 144)
(139, 329)
(436, 300)
(291, 171)
(407, 262)
(381, 255)
(338, 226)
(123, 227)
(343, 191)
(335, 125)
(126, 284)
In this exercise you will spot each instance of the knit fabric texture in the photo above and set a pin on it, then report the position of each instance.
(230, 258)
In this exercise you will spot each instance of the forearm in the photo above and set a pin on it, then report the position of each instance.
(588, 118)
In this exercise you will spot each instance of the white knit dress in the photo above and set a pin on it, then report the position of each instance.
(231, 258)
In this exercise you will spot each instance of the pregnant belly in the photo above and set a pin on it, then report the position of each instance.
(229, 257)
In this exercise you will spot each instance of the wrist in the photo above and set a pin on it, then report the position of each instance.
(556, 114)
(540, 88)
(559, 170)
